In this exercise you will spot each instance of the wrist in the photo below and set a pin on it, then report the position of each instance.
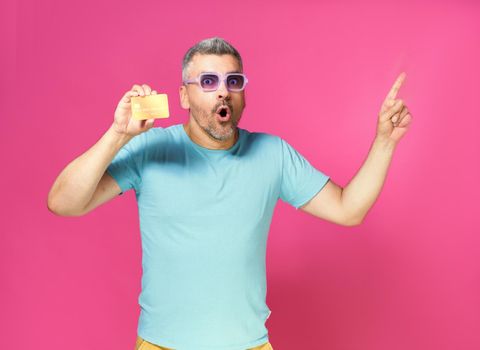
(118, 137)
(384, 143)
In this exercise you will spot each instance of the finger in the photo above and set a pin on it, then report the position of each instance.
(128, 95)
(389, 113)
(386, 105)
(405, 121)
(154, 92)
(147, 89)
(396, 119)
(142, 123)
(149, 123)
(403, 112)
(402, 116)
(392, 94)
(138, 89)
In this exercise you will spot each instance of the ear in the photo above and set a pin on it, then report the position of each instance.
(184, 97)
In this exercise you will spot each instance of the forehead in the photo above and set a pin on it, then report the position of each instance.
(213, 63)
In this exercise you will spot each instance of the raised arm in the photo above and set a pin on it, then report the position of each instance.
(77, 184)
(349, 206)
(84, 183)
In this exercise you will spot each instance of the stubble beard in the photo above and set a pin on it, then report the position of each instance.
(220, 131)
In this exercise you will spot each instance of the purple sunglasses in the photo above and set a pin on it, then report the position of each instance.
(210, 81)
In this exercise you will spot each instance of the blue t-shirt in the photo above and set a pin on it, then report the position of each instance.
(204, 219)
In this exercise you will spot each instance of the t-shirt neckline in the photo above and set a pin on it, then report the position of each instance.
(208, 150)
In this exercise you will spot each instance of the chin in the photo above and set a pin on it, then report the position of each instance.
(223, 136)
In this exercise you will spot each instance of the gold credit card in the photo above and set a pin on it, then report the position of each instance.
(150, 107)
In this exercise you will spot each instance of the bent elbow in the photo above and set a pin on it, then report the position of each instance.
(55, 209)
(353, 222)
(51, 206)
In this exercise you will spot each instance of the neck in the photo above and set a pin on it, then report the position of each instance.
(200, 137)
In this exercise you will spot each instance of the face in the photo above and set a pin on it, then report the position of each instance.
(203, 105)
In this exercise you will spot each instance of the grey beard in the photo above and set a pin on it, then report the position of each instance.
(210, 129)
(221, 137)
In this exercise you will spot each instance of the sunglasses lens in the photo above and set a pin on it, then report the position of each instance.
(209, 81)
(235, 81)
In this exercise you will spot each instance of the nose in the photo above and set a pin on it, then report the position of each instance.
(222, 91)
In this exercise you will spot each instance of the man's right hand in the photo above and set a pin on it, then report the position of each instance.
(123, 123)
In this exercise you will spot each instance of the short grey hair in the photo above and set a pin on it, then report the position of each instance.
(210, 46)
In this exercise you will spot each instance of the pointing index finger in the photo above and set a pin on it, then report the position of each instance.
(396, 86)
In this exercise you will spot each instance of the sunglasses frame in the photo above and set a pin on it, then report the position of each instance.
(221, 78)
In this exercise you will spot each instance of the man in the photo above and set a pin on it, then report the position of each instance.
(206, 192)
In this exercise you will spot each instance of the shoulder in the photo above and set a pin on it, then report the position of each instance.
(263, 138)
(144, 142)
(157, 135)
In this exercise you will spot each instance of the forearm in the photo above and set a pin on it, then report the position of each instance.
(76, 184)
(362, 191)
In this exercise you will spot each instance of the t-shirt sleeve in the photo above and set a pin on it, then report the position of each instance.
(300, 180)
(126, 166)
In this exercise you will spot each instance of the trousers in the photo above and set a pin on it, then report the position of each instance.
(142, 344)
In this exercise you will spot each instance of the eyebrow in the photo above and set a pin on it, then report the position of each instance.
(232, 71)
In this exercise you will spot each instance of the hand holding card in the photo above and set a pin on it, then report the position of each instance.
(124, 121)
(150, 107)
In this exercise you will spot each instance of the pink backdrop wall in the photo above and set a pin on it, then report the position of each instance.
(408, 278)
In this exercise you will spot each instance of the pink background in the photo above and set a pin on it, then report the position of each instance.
(408, 278)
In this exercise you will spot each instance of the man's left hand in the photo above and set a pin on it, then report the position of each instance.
(394, 117)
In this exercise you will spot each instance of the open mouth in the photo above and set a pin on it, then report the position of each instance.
(223, 113)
